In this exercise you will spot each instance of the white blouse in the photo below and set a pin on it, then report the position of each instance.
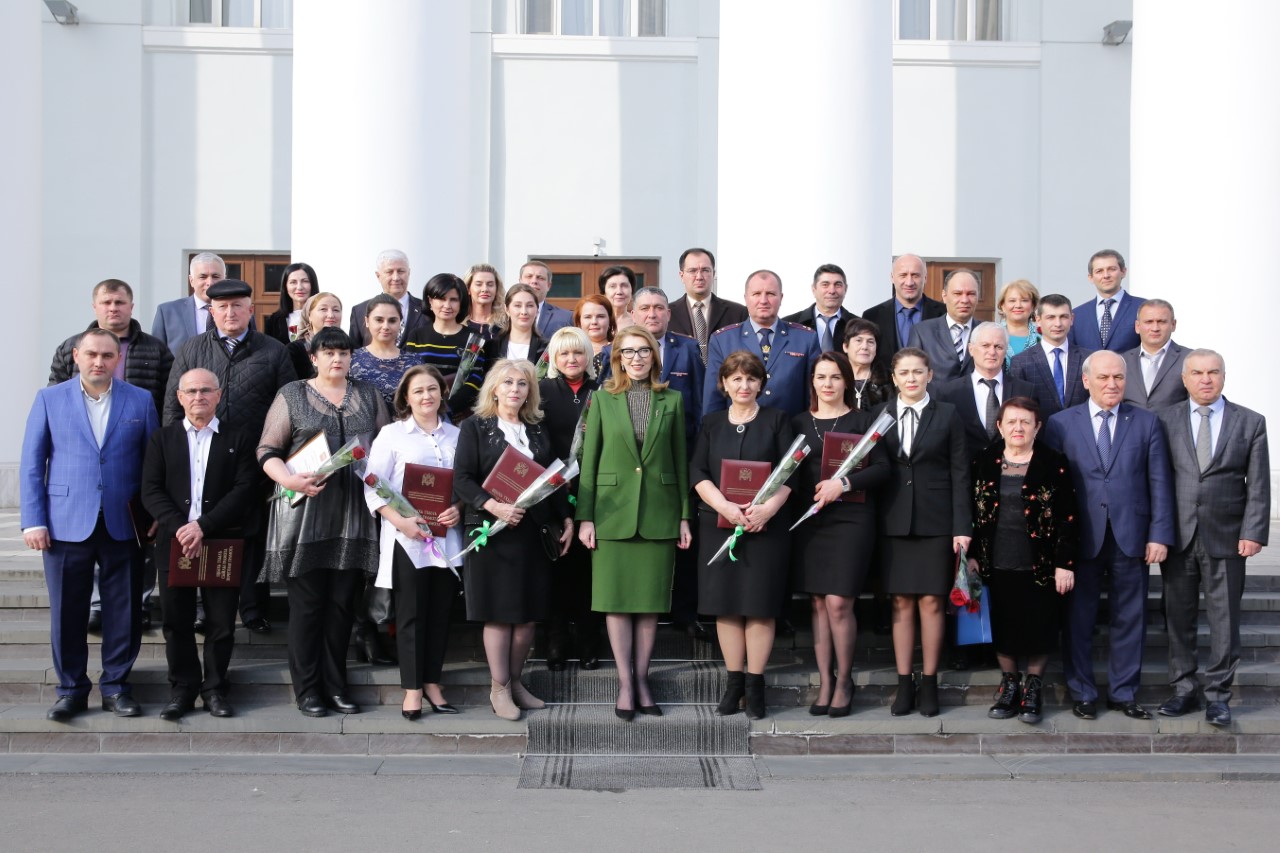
(405, 443)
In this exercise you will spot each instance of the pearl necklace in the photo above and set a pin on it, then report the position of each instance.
(742, 426)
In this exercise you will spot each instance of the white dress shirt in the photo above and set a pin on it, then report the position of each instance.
(99, 411)
(1216, 409)
(203, 311)
(1048, 349)
(1151, 361)
(981, 392)
(198, 442)
(907, 433)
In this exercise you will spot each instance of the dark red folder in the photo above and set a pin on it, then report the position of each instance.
(217, 564)
(835, 447)
(430, 490)
(514, 473)
(739, 482)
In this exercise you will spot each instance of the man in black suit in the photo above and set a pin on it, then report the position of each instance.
(392, 272)
(979, 394)
(1222, 490)
(701, 313)
(199, 481)
(946, 338)
(1054, 367)
(1156, 363)
(827, 315)
(908, 306)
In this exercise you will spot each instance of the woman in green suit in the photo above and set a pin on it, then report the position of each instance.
(633, 507)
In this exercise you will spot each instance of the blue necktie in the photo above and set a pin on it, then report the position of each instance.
(1059, 376)
(1104, 327)
(1104, 440)
(766, 335)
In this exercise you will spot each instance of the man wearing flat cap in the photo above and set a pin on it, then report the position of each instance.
(251, 367)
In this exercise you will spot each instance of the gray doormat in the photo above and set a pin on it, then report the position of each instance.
(623, 772)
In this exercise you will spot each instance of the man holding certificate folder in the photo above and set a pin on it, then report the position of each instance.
(198, 481)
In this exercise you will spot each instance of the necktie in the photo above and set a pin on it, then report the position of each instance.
(993, 407)
(1204, 438)
(908, 421)
(1104, 328)
(766, 336)
(957, 339)
(1150, 367)
(1059, 376)
(827, 323)
(700, 328)
(204, 318)
(1104, 440)
(230, 344)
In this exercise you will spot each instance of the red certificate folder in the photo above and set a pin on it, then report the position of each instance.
(430, 490)
(739, 482)
(217, 564)
(514, 473)
(835, 447)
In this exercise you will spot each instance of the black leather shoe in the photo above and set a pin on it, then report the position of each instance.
(442, 708)
(556, 664)
(218, 706)
(95, 622)
(816, 710)
(592, 663)
(313, 706)
(1218, 714)
(415, 714)
(1008, 697)
(67, 707)
(1132, 710)
(650, 710)
(198, 626)
(122, 705)
(1176, 706)
(258, 625)
(175, 710)
(343, 705)
(1085, 710)
(146, 621)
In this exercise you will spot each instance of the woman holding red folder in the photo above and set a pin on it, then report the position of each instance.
(831, 552)
(413, 563)
(747, 593)
(508, 579)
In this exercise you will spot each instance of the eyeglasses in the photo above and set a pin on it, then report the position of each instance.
(700, 271)
(631, 353)
(197, 392)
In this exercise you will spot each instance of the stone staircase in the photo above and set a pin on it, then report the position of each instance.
(686, 677)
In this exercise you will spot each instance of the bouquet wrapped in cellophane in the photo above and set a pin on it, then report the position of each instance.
(556, 475)
(467, 361)
(967, 590)
(877, 429)
(347, 454)
(400, 504)
(579, 433)
(777, 479)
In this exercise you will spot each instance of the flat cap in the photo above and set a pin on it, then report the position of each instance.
(229, 288)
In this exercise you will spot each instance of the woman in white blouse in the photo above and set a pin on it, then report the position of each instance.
(410, 562)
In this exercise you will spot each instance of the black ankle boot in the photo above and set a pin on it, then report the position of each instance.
(755, 696)
(1032, 699)
(1008, 694)
(734, 690)
(927, 700)
(906, 698)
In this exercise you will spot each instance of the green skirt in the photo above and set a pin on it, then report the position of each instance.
(632, 575)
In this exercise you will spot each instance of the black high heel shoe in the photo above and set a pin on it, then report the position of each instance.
(411, 715)
(442, 708)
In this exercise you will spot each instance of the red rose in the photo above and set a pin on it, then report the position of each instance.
(371, 480)
(357, 453)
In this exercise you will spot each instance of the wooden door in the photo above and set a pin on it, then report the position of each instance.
(572, 278)
(987, 284)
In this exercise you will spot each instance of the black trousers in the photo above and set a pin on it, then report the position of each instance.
(186, 676)
(424, 600)
(254, 597)
(320, 614)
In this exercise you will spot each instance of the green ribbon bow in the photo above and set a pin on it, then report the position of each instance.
(483, 532)
(733, 541)
(573, 501)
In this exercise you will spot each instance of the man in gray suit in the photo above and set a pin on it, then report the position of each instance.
(946, 338)
(189, 316)
(1222, 481)
(1156, 363)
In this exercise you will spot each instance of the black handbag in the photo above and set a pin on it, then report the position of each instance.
(549, 535)
(379, 605)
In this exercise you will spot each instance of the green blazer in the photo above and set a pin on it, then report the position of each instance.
(628, 491)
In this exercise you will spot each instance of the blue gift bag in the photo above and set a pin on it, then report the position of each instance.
(974, 628)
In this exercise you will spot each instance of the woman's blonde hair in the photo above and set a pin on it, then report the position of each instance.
(567, 338)
(1024, 287)
(620, 382)
(304, 323)
(500, 293)
(487, 402)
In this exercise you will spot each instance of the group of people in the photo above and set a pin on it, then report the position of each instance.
(1059, 451)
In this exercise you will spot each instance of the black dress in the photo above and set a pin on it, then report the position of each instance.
(509, 579)
(831, 553)
(754, 585)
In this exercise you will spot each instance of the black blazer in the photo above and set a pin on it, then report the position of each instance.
(561, 412)
(883, 316)
(808, 317)
(361, 335)
(927, 493)
(232, 486)
(480, 444)
(496, 348)
(720, 313)
(959, 393)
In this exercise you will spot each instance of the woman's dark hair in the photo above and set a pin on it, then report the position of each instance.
(858, 326)
(596, 299)
(400, 402)
(286, 301)
(874, 391)
(909, 352)
(384, 299)
(441, 285)
(331, 337)
(610, 272)
(741, 361)
(841, 361)
(1025, 403)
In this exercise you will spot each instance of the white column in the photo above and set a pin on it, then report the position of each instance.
(381, 141)
(26, 359)
(1205, 185)
(805, 144)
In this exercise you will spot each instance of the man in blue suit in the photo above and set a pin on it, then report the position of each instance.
(551, 318)
(190, 316)
(81, 466)
(1107, 321)
(788, 350)
(1054, 366)
(1119, 460)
